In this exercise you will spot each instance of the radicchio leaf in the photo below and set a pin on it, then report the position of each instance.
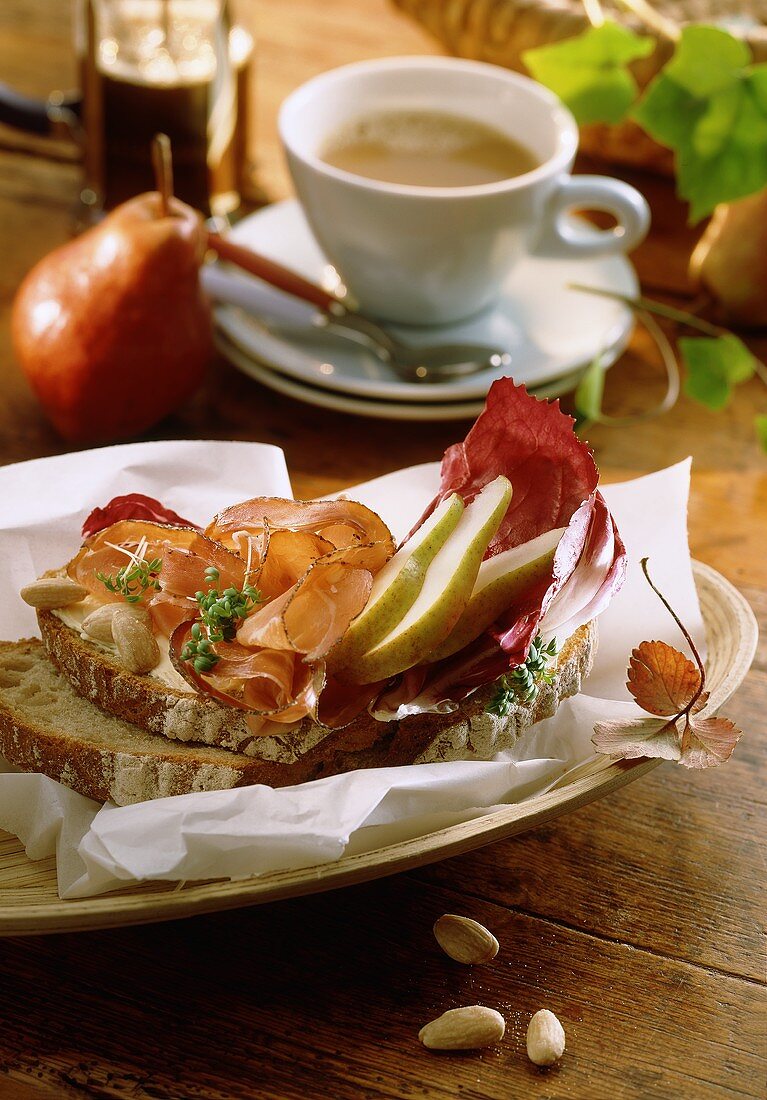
(554, 485)
(597, 577)
(131, 506)
(532, 443)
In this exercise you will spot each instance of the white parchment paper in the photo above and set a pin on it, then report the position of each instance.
(253, 830)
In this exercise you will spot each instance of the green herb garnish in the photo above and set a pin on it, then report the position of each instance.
(221, 612)
(198, 649)
(132, 581)
(220, 615)
(521, 685)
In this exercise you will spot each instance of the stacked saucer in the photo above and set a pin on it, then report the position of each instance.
(548, 331)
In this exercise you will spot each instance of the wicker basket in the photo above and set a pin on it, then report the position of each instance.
(500, 31)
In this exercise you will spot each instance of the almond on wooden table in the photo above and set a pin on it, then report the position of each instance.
(48, 593)
(136, 644)
(545, 1038)
(464, 939)
(467, 1028)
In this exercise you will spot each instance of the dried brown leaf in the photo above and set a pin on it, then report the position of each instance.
(700, 702)
(637, 737)
(707, 742)
(661, 679)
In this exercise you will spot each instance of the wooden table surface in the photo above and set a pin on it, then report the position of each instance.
(638, 919)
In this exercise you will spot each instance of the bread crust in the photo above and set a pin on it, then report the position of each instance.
(191, 717)
(128, 764)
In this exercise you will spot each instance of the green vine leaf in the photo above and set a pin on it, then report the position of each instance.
(709, 104)
(589, 72)
(714, 365)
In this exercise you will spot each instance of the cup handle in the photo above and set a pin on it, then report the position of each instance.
(624, 202)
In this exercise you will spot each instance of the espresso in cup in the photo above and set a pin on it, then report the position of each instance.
(426, 149)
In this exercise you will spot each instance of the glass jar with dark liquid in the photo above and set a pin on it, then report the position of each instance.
(164, 66)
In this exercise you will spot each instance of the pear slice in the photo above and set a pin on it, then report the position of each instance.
(500, 581)
(396, 586)
(446, 590)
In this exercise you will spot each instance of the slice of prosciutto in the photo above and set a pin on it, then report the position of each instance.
(271, 685)
(313, 564)
(340, 522)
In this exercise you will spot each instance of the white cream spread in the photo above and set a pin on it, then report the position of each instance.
(164, 671)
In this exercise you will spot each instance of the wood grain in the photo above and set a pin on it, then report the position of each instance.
(637, 918)
(268, 1005)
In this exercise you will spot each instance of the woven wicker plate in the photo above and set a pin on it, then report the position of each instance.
(29, 904)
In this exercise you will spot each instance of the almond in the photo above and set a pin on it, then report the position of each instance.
(545, 1038)
(464, 939)
(48, 593)
(464, 1029)
(136, 644)
(98, 625)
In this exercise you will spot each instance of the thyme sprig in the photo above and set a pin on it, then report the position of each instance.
(521, 684)
(133, 579)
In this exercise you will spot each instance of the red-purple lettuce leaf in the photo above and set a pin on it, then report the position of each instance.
(532, 443)
(131, 506)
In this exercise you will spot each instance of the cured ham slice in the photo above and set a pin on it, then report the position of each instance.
(110, 549)
(287, 558)
(270, 684)
(341, 522)
(189, 551)
(341, 703)
(314, 614)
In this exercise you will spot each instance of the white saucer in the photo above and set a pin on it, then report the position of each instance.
(551, 331)
(372, 407)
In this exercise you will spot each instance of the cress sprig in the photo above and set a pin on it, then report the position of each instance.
(521, 684)
(131, 581)
(220, 615)
(198, 650)
(221, 612)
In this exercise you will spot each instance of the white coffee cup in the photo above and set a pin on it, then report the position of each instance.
(431, 255)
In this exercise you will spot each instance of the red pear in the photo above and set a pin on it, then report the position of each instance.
(113, 329)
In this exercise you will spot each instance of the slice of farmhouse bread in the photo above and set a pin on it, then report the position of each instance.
(191, 717)
(47, 726)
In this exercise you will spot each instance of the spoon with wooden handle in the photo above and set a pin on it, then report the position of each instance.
(427, 363)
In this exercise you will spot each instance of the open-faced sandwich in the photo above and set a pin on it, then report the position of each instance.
(289, 640)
